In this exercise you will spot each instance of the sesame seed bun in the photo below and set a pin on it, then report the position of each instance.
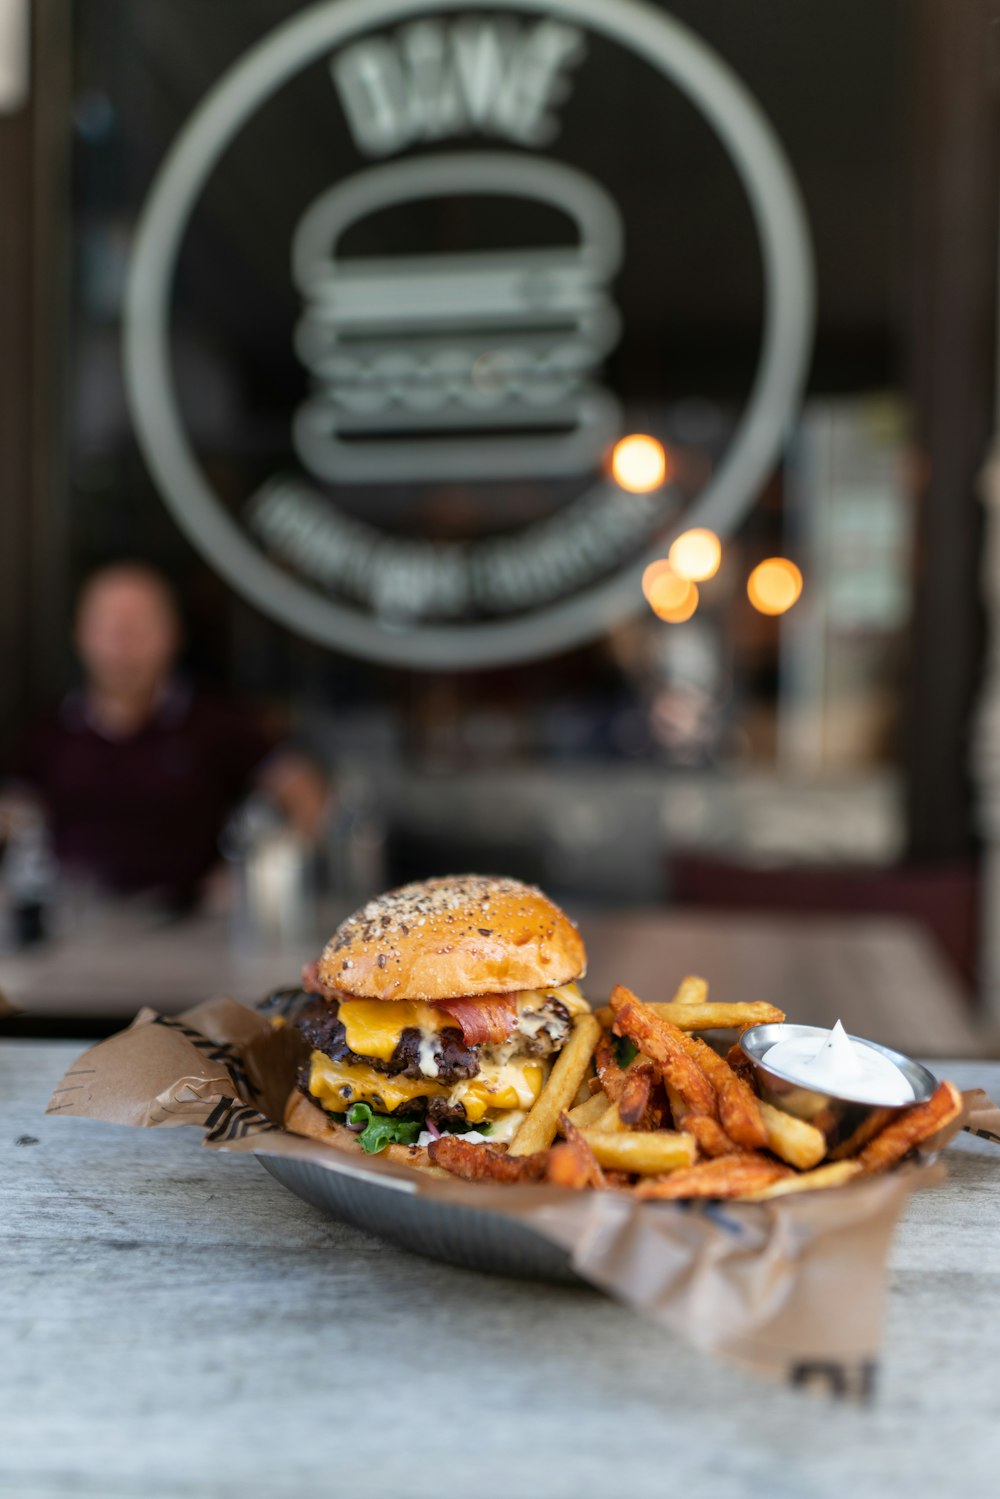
(449, 938)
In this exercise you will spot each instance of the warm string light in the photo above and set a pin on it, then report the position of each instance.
(639, 463)
(696, 554)
(671, 597)
(669, 584)
(774, 585)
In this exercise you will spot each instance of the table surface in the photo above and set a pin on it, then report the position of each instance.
(882, 976)
(175, 1325)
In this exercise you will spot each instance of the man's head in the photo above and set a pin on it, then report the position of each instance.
(128, 629)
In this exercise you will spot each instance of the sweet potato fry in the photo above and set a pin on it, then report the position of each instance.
(648, 1152)
(678, 1108)
(664, 1045)
(908, 1129)
(741, 1063)
(740, 1114)
(738, 1108)
(711, 1137)
(612, 1077)
(800, 1144)
(629, 1087)
(730, 1176)
(484, 1163)
(633, 1101)
(538, 1129)
(572, 1163)
(833, 1174)
(858, 1138)
(710, 1016)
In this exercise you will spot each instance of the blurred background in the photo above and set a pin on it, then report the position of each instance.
(501, 438)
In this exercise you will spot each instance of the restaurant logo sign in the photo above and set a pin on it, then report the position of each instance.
(454, 282)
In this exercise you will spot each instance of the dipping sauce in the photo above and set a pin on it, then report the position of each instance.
(834, 1063)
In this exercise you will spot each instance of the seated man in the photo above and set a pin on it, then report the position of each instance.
(137, 771)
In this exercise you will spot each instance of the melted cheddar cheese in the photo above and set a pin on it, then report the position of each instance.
(372, 1027)
(512, 1085)
(339, 1084)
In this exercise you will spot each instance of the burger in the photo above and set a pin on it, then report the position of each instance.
(439, 1007)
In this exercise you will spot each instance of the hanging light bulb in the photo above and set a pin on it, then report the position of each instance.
(671, 597)
(696, 554)
(774, 585)
(639, 463)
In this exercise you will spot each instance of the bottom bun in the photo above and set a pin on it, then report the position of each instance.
(303, 1117)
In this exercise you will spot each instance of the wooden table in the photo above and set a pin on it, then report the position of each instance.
(175, 1325)
(881, 976)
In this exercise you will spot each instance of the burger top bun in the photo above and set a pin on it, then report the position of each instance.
(466, 934)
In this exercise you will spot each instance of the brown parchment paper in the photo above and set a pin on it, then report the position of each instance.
(793, 1287)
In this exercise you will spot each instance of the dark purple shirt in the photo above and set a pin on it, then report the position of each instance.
(144, 812)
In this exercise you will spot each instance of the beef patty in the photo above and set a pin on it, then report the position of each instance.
(456, 1062)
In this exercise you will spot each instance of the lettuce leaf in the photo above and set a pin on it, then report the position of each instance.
(381, 1130)
(624, 1049)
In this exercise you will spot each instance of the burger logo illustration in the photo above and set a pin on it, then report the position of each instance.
(503, 344)
(456, 348)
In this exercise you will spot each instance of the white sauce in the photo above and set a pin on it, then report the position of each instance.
(501, 1129)
(426, 1057)
(531, 1022)
(473, 1136)
(834, 1063)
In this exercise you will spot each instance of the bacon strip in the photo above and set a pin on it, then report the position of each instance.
(481, 1020)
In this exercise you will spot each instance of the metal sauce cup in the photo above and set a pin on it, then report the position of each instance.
(839, 1116)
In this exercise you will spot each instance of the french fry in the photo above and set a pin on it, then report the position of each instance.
(664, 1045)
(730, 1176)
(588, 1113)
(572, 1162)
(483, 1163)
(691, 991)
(610, 1122)
(833, 1174)
(738, 1107)
(800, 1144)
(538, 1129)
(710, 1016)
(648, 1152)
(908, 1129)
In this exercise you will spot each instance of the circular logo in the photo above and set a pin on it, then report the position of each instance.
(453, 296)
